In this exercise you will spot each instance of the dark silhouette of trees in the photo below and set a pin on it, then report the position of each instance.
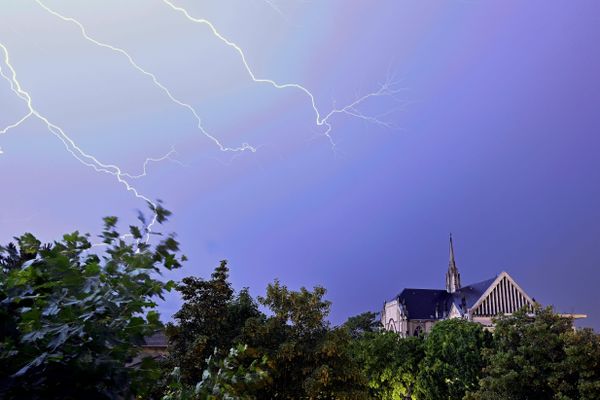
(73, 318)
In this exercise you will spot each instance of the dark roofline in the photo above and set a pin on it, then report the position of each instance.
(158, 340)
(480, 282)
(405, 289)
(491, 280)
(462, 287)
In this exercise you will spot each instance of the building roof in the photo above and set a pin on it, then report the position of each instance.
(436, 303)
(422, 303)
(158, 339)
(471, 293)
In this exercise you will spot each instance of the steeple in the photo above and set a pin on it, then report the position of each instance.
(452, 276)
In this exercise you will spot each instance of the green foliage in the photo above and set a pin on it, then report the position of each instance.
(539, 356)
(577, 376)
(362, 323)
(210, 319)
(73, 318)
(307, 358)
(69, 311)
(304, 310)
(453, 360)
(236, 377)
(390, 363)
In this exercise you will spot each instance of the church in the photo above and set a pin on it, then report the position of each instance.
(415, 311)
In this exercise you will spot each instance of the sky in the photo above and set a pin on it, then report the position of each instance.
(476, 118)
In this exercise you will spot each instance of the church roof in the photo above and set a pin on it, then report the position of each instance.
(158, 339)
(471, 293)
(423, 303)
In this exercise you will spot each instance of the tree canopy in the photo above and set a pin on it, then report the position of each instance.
(540, 356)
(69, 311)
(73, 309)
(453, 361)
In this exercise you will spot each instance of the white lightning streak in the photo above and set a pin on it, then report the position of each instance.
(275, 7)
(386, 89)
(16, 124)
(134, 64)
(321, 120)
(148, 160)
(80, 155)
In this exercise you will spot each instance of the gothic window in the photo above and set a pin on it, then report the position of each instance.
(392, 325)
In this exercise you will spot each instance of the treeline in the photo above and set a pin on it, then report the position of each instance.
(74, 318)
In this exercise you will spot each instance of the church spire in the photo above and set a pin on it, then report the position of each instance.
(452, 276)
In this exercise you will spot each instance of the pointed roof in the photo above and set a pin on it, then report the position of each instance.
(471, 293)
(423, 303)
(452, 262)
(495, 282)
(452, 276)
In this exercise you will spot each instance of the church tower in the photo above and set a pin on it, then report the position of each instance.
(452, 276)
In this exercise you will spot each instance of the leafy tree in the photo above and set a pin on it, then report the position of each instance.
(578, 375)
(538, 356)
(236, 377)
(362, 323)
(211, 318)
(73, 317)
(307, 359)
(390, 363)
(453, 360)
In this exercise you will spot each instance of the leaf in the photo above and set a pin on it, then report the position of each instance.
(153, 317)
(60, 338)
(92, 269)
(35, 335)
(35, 363)
(135, 231)
(52, 309)
(170, 285)
(110, 222)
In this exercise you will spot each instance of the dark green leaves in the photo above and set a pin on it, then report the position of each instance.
(67, 311)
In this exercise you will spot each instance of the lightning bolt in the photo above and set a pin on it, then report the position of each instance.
(16, 124)
(168, 156)
(387, 89)
(275, 7)
(157, 83)
(13, 125)
(69, 144)
(321, 119)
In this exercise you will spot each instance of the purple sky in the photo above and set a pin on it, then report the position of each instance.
(494, 136)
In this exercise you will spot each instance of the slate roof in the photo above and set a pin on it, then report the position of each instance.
(471, 293)
(159, 339)
(423, 303)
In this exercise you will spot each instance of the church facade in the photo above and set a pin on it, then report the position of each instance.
(415, 311)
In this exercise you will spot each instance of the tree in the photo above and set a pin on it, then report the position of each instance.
(578, 375)
(68, 310)
(211, 318)
(363, 323)
(235, 377)
(390, 363)
(528, 350)
(539, 356)
(307, 359)
(453, 360)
